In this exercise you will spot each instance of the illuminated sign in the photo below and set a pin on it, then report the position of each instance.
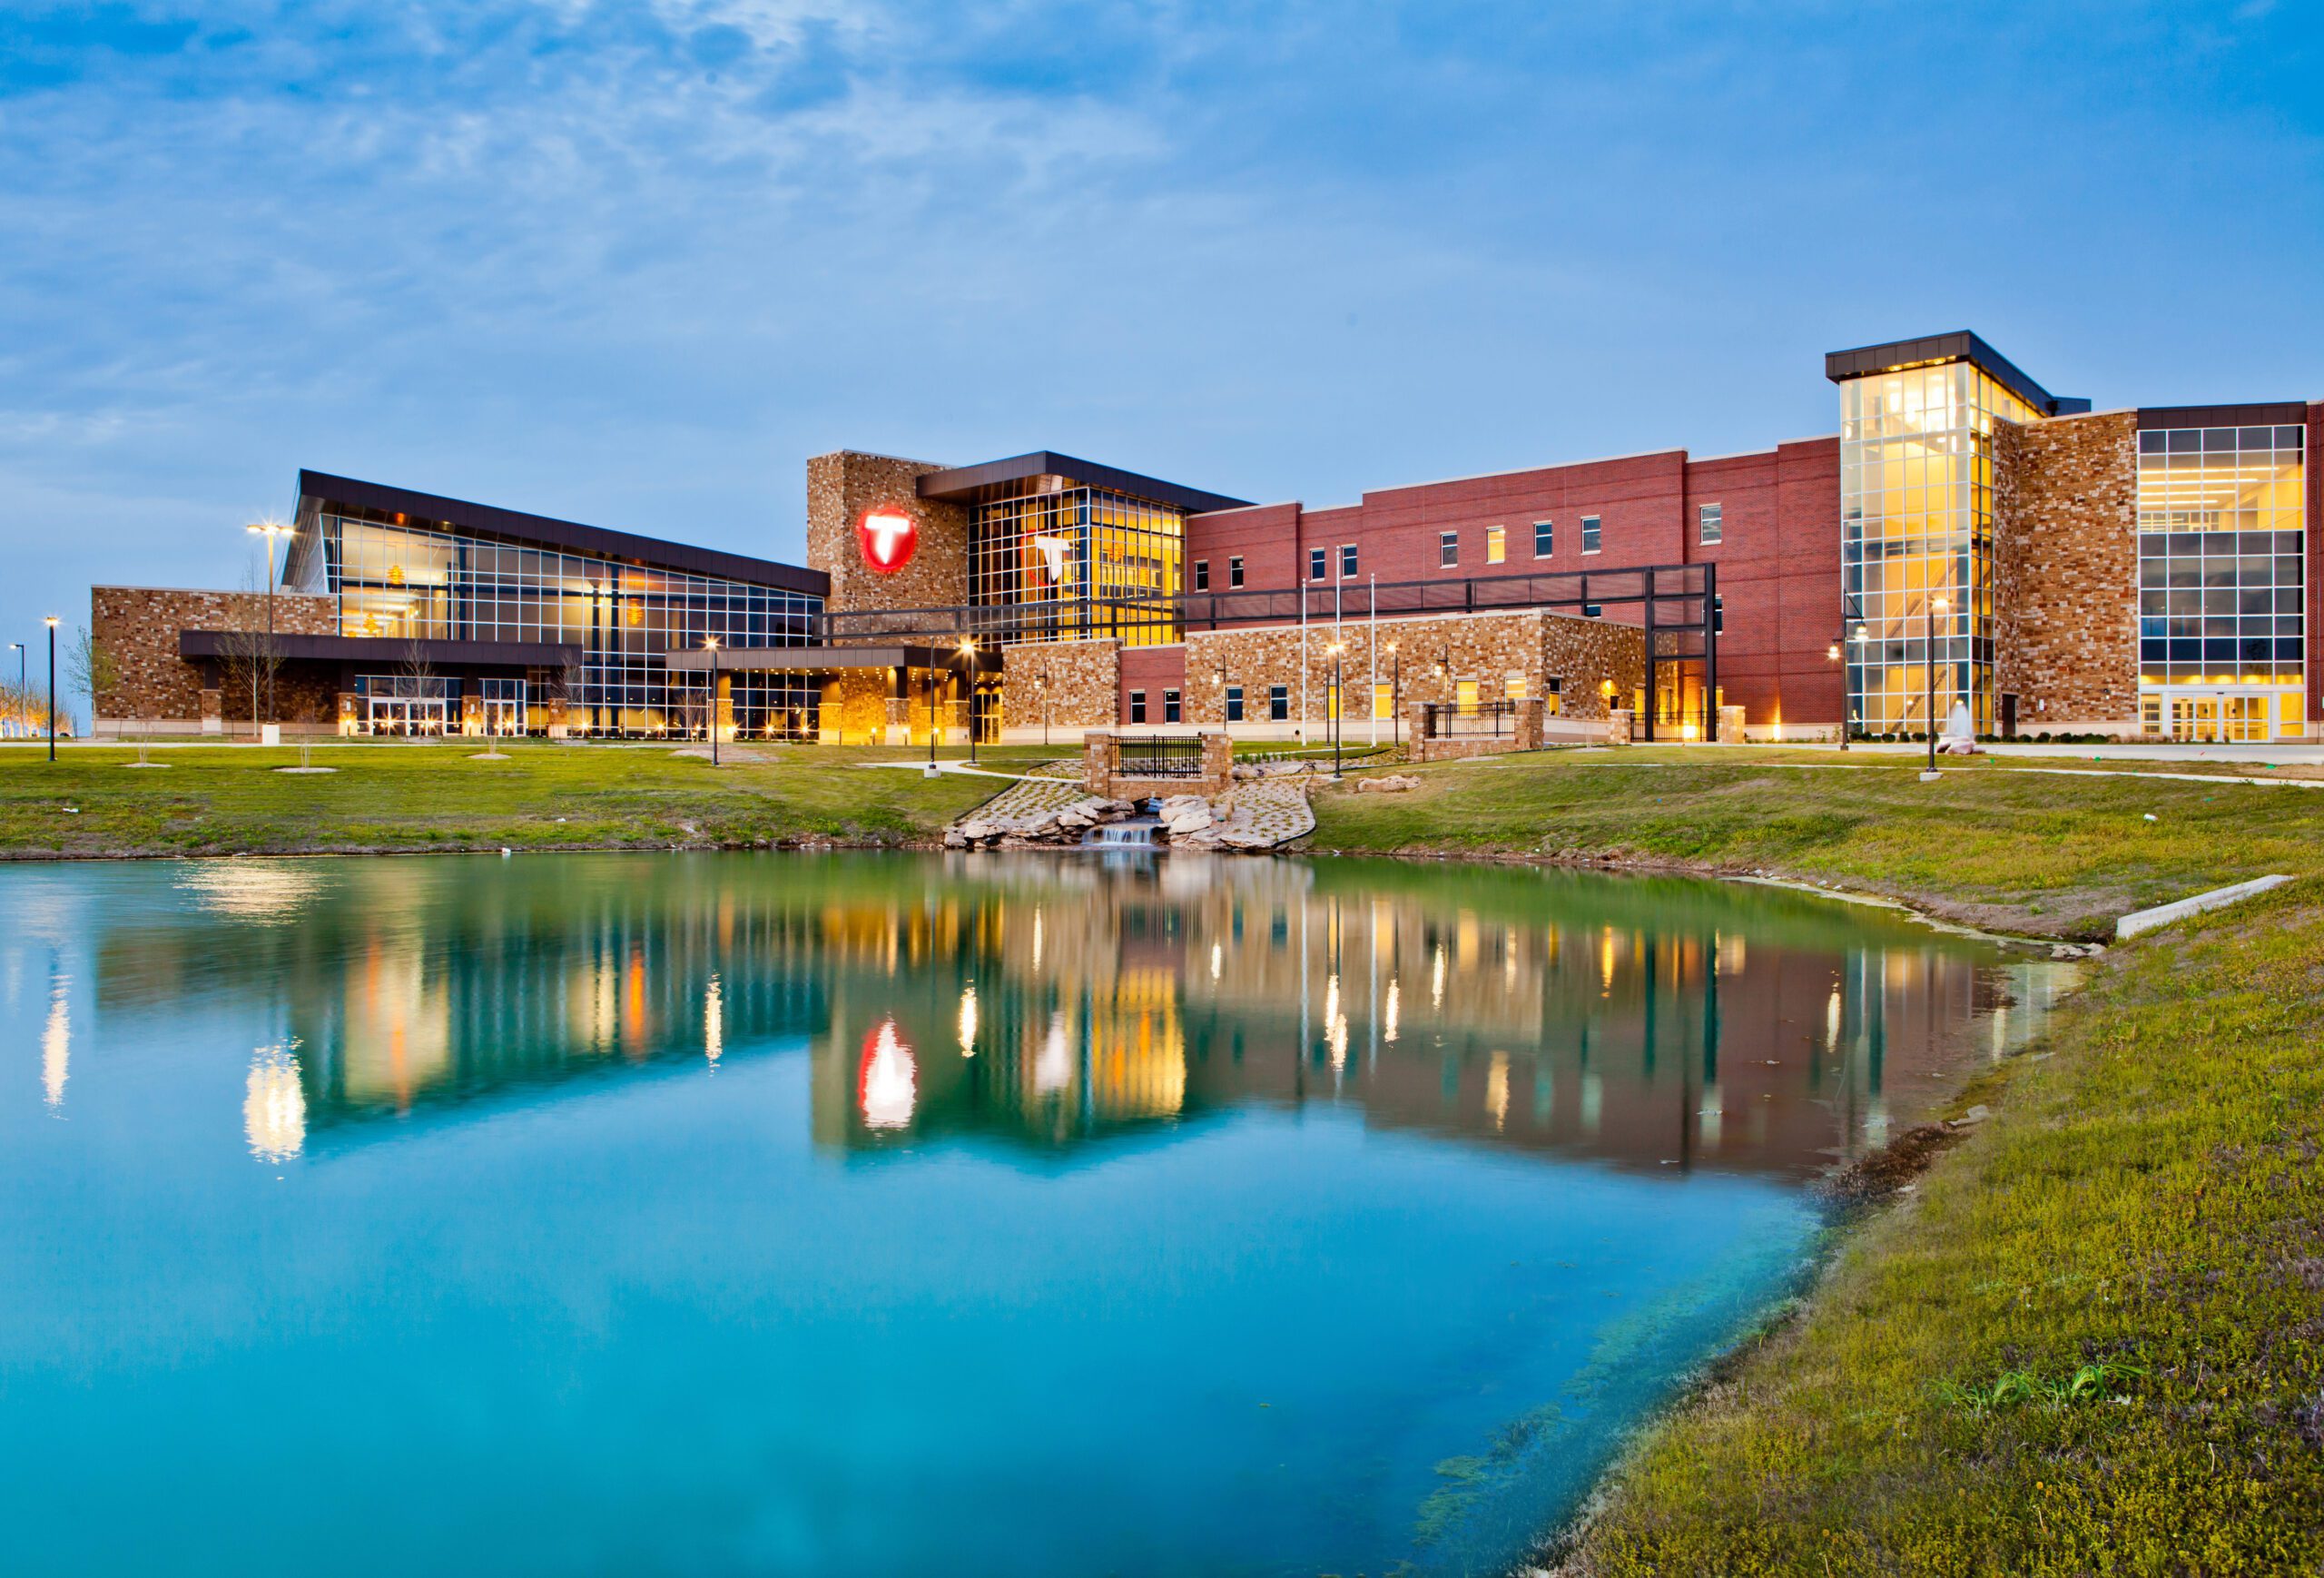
(1053, 551)
(887, 537)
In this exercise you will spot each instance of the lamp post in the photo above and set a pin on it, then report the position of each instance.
(21, 686)
(969, 686)
(1834, 654)
(710, 643)
(931, 709)
(52, 688)
(1218, 684)
(1928, 673)
(1041, 684)
(1395, 698)
(267, 531)
(1339, 704)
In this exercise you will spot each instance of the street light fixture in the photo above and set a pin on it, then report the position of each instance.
(50, 622)
(1339, 704)
(710, 643)
(1928, 673)
(21, 686)
(969, 685)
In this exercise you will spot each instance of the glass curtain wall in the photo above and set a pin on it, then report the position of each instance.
(1916, 502)
(2223, 582)
(1080, 563)
(400, 582)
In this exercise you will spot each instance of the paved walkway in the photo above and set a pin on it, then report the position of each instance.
(1612, 758)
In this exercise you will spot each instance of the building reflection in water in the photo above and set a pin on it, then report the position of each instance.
(1050, 1003)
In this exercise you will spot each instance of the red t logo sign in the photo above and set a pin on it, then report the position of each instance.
(887, 538)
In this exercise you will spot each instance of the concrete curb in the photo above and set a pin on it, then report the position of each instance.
(2132, 924)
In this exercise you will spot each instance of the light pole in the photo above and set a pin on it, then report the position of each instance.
(1041, 684)
(1834, 654)
(969, 686)
(710, 643)
(931, 709)
(1395, 698)
(1339, 704)
(267, 531)
(21, 686)
(52, 688)
(1928, 673)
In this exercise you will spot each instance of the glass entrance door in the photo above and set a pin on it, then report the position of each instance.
(406, 716)
(504, 705)
(2220, 716)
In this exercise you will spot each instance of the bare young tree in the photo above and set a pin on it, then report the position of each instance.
(248, 652)
(91, 670)
(420, 674)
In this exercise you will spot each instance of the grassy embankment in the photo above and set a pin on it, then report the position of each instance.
(221, 799)
(2091, 1341)
(2011, 850)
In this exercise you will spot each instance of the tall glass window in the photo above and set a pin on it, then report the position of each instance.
(1917, 536)
(410, 581)
(2222, 581)
(1080, 562)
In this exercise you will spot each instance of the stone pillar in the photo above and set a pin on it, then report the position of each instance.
(1731, 725)
(1617, 725)
(213, 711)
(350, 710)
(1101, 761)
(1217, 763)
(1529, 724)
(553, 709)
(721, 713)
(471, 713)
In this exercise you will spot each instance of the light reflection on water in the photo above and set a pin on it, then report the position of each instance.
(1019, 1188)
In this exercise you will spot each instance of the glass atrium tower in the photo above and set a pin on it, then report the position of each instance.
(1917, 529)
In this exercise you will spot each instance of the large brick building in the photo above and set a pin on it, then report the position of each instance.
(1965, 539)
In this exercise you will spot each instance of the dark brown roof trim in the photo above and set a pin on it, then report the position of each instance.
(1960, 345)
(974, 484)
(379, 501)
(389, 649)
(2272, 414)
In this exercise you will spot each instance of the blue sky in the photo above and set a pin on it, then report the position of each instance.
(631, 263)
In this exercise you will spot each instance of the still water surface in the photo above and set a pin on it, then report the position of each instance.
(866, 1214)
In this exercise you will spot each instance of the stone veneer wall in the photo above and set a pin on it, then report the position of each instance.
(2066, 571)
(841, 487)
(1486, 647)
(140, 624)
(1084, 684)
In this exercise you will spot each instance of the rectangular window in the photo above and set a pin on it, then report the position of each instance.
(1383, 701)
(1137, 706)
(1718, 615)
(1709, 524)
(1514, 687)
(1234, 570)
(1170, 706)
(1318, 561)
(1496, 544)
(1448, 548)
(1544, 539)
(1331, 700)
(1464, 695)
(1278, 702)
(1347, 561)
(1202, 575)
(1590, 533)
(1234, 704)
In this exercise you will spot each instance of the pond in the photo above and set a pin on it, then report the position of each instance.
(863, 1214)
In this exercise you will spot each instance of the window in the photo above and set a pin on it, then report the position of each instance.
(1544, 539)
(1278, 702)
(1202, 575)
(1137, 706)
(1448, 548)
(1383, 701)
(1234, 570)
(1347, 561)
(1496, 544)
(1708, 523)
(1514, 687)
(1170, 706)
(1718, 615)
(1464, 695)
(1331, 701)
(1590, 533)
(1317, 560)
(1234, 704)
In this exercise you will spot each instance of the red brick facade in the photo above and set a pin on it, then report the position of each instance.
(1778, 557)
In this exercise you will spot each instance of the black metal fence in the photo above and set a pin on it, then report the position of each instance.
(1161, 756)
(1454, 720)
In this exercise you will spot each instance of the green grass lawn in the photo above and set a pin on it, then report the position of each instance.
(216, 800)
(2090, 1341)
(2012, 850)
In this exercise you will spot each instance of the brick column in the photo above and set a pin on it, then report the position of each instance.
(1217, 763)
(1617, 725)
(1529, 724)
(1101, 761)
(213, 711)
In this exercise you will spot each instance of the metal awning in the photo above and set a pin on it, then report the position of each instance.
(386, 649)
(831, 659)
